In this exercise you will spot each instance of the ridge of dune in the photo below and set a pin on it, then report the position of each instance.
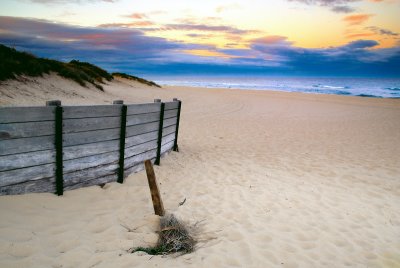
(26, 90)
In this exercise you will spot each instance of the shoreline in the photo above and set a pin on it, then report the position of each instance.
(276, 90)
(363, 87)
(353, 100)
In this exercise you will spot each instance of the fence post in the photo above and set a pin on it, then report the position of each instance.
(58, 142)
(121, 168)
(176, 148)
(154, 191)
(160, 131)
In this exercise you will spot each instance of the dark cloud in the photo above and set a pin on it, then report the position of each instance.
(381, 31)
(360, 44)
(97, 45)
(342, 9)
(338, 6)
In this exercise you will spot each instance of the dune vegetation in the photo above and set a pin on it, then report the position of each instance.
(135, 78)
(14, 63)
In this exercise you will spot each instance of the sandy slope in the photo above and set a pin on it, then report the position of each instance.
(275, 180)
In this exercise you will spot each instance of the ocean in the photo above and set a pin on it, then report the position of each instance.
(365, 87)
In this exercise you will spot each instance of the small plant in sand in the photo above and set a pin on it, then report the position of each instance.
(174, 237)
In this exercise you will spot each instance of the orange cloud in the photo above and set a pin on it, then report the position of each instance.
(209, 53)
(358, 35)
(357, 19)
(138, 16)
(269, 40)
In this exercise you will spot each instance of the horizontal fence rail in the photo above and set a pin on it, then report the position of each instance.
(57, 148)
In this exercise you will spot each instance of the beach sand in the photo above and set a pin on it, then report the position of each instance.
(272, 179)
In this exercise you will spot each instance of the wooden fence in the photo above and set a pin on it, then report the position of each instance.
(55, 148)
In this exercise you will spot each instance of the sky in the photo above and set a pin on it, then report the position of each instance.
(259, 37)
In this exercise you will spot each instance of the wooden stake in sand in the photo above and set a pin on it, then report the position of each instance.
(155, 193)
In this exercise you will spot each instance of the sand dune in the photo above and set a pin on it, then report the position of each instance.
(275, 180)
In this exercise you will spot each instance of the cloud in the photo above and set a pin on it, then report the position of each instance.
(356, 52)
(342, 9)
(138, 16)
(381, 31)
(103, 46)
(338, 6)
(357, 19)
(272, 40)
(134, 24)
(359, 35)
(208, 28)
(130, 50)
(360, 44)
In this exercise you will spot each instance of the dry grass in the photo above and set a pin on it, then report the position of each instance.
(174, 236)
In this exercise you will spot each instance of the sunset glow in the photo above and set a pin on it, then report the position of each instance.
(180, 31)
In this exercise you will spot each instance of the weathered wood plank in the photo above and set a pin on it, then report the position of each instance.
(33, 186)
(143, 108)
(92, 182)
(90, 161)
(137, 159)
(168, 138)
(171, 105)
(142, 119)
(72, 152)
(27, 174)
(141, 129)
(86, 124)
(89, 174)
(78, 138)
(142, 138)
(170, 121)
(9, 162)
(138, 149)
(91, 111)
(26, 114)
(138, 167)
(26, 130)
(166, 148)
(170, 113)
(15, 146)
(169, 130)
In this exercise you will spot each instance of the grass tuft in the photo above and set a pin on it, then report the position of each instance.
(137, 79)
(174, 237)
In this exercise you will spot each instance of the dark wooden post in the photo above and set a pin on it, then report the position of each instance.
(176, 148)
(58, 142)
(160, 132)
(155, 193)
(121, 168)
